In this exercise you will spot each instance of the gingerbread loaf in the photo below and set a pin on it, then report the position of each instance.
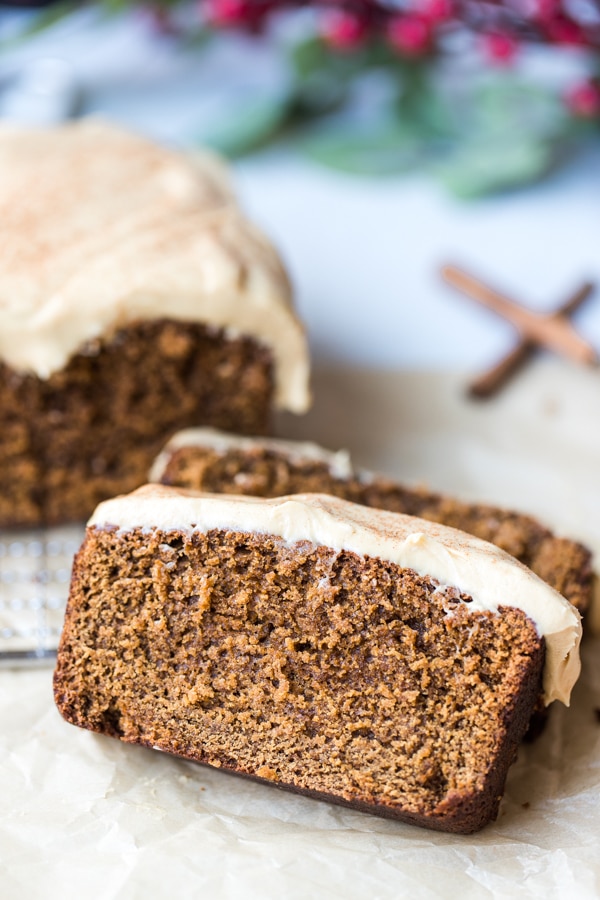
(353, 655)
(205, 459)
(135, 299)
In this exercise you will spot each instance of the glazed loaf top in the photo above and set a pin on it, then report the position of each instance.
(487, 574)
(100, 228)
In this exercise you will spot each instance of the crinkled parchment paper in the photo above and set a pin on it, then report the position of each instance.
(82, 816)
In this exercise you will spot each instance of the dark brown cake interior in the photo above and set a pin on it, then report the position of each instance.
(320, 671)
(92, 430)
(565, 565)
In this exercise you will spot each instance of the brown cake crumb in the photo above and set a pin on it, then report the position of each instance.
(92, 430)
(342, 677)
(259, 471)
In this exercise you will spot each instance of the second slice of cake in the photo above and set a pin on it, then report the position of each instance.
(208, 460)
(354, 655)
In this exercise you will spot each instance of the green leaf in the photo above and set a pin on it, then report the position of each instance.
(318, 96)
(378, 53)
(246, 124)
(483, 166)
(323, 77)
(512, 133)
(503, 105)
(385, 152)
(309, 56)
(115, 7)
(430, 115)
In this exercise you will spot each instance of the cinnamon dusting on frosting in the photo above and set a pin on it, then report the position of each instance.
(100, 228)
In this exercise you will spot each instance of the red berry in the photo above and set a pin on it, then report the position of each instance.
(344, 31)
(436, 10)
(226, 12)
(584, 99)
(499, 48)
(545, 9)
(561, 30)
(410, 35)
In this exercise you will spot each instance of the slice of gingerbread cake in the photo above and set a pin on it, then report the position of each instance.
(353, 655)
(135, 299)
(206, 459)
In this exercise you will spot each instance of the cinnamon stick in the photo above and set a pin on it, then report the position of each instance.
(491, 381)
(547, 330)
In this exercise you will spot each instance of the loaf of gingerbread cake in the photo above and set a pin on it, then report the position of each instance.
(135, 299)
(205, 459)
(354, 655)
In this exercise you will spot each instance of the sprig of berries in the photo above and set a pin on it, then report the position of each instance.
(414, 26)
(416, 29)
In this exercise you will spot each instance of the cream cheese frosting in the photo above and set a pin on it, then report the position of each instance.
(489, 575)
(221, 442)
(100, 228)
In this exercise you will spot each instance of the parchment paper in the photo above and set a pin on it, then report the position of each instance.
(82, 816)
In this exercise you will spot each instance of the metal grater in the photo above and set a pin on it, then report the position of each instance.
(35, 570)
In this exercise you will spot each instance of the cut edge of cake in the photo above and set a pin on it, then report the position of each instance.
(153, 652)
(480, 569)
(565, 564)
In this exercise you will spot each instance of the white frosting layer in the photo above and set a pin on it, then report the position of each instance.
(222, 441)
(489, 575)
(100, 228)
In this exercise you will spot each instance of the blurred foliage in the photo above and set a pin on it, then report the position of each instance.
(479, 132)
(493, 131)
